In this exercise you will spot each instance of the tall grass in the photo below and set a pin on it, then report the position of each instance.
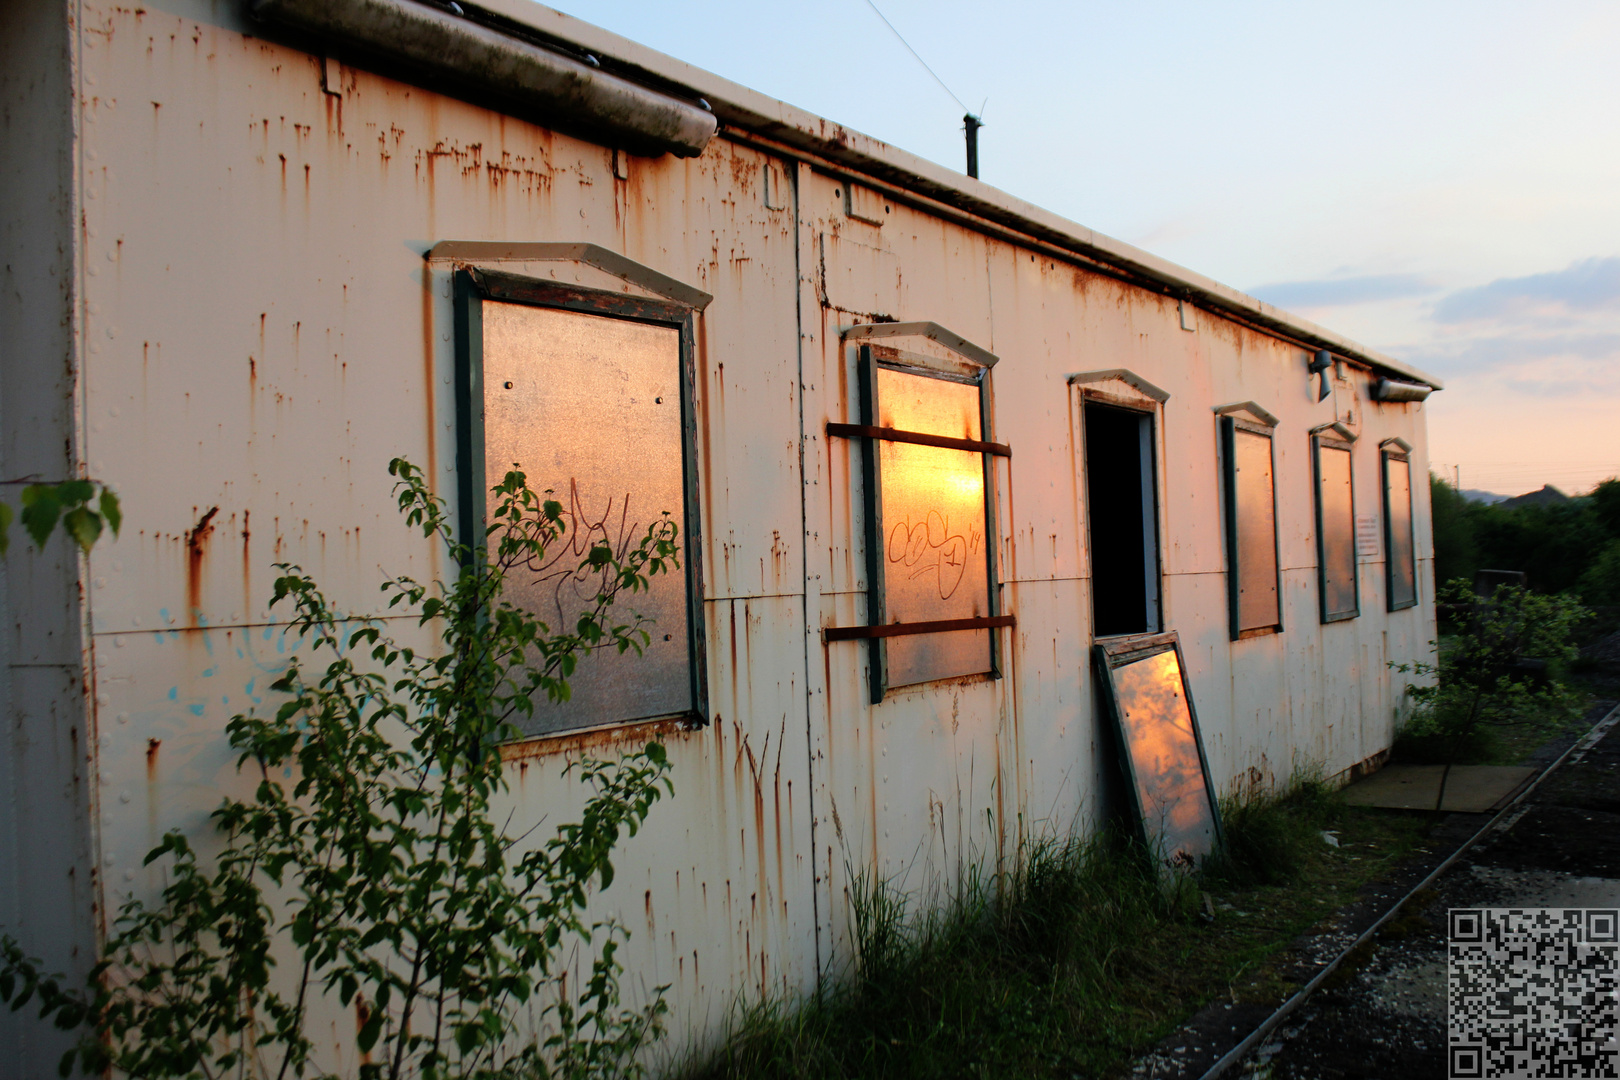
(1070, 965)
(993, 983)
(1272, 836)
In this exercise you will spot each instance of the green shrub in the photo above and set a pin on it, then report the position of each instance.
(376, 865)
(1502, 670)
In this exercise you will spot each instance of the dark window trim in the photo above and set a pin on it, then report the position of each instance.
(1230, 426)
(1319, 440)
(1385, 457)
(472, 287)
(1155, 414)
(877, 628)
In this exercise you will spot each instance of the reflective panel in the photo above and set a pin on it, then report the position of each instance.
(934, 561)
(1256, 531)
(1338, 521)
(590, 408)
(910, 402)
(1177, 811)
(1398, 512)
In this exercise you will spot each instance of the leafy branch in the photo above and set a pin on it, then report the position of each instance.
(83, 507)
(369, 856)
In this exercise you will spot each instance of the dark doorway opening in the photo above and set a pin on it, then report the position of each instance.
(1122, 521)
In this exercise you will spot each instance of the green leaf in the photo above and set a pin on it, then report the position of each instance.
(40, 511)
(84, 526)
(111, 511)
(5, 527)
(370, 1031)
(73, 492)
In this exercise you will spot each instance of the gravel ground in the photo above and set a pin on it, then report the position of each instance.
(1383, 1014)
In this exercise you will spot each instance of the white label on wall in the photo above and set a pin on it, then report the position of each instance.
(1367, 534)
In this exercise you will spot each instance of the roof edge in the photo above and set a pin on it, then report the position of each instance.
(748, 110)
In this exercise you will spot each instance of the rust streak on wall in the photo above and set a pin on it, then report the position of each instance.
(196, 550)
(247, 563)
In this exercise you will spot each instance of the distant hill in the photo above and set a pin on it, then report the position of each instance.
(1545, 497)
(1489, 498)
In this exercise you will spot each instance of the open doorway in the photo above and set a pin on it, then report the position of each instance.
(1122, 520)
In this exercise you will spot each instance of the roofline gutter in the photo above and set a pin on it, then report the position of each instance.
(492, 66)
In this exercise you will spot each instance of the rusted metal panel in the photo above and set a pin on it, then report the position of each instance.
(262, 333)
(247, 390)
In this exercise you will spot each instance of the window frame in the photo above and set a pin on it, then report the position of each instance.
(877, 630)
(474, 285)
(1395, 452)
(1335, 441)
(1230, 425)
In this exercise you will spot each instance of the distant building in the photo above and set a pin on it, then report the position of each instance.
(242, 262)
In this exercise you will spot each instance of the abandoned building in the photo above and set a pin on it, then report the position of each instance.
(928, 444)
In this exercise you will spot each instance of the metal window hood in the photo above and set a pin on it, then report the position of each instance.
(517, 76)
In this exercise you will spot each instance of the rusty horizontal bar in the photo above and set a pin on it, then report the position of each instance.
(939, 626)
(863, 431)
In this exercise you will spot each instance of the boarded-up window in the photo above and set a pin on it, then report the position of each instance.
(1400, 569)
(1335, 531)
(931, 604)
(590, 408)
(1251, 527)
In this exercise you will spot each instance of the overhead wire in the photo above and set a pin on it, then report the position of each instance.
(924, 63)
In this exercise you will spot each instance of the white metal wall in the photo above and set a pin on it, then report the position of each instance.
(261, 334)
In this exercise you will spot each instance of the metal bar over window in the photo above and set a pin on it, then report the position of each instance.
(921, 438)
(857, 633)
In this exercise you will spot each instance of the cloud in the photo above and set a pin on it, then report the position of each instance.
(1584, 287)
(1337, 292)
(1551, 365)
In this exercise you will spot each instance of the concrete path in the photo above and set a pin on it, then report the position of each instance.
(1467, 789)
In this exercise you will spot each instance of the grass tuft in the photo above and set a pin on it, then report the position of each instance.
(1271, 836)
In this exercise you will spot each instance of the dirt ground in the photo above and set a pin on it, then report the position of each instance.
(1383, 1014)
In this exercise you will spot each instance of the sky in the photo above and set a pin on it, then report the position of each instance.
(1439, 181)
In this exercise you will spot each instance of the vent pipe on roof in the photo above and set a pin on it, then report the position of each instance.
(516, 76)
(971, 124)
